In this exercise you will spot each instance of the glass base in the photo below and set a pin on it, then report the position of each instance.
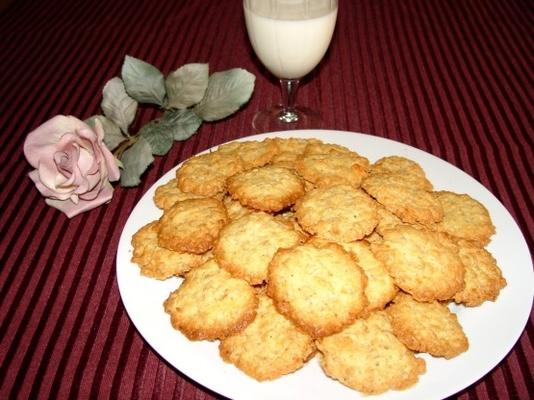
(278, 119)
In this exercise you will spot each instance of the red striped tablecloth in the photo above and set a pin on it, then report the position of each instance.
(453, 78)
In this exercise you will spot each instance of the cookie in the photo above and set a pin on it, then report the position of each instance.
(386, 220)
(381, 288)
(289, 151)
(210, 304)
(169, 193)
(289, 219)
(294, 145)
(234, 209)
(285, 159)
(411, 172)
(319, 147)
(269, 347)
(373, 237)
(483, 277)
(268, 188)
(423, 263)
(320, 288)
(427, 327)
(332, 168)
(253, 153)
(338, 213)
(192, 225)
(411, 203)
(465, 218)
(157, 262)
(206, 174)
(368, 357)
(246, 245)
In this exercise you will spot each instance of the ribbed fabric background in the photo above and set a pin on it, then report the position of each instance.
(453, 78)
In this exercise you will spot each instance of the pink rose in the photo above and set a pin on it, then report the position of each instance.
(73, 167)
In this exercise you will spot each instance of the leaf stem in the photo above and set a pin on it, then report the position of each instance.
(125, 145)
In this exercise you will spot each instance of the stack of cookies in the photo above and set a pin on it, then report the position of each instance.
(296, 248)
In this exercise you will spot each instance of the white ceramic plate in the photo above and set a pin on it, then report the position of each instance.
(492, 328)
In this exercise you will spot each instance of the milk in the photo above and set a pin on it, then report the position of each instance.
(290, 47)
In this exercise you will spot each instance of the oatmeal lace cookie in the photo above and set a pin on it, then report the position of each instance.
(483, 277)
(267, 188)
(465, 218)
(427, 327)
(401, 187)
(206, 174)
(333, 168)
(253, 153)
(246, 246)
(157, 262)
(169, 193)
(423, 263)
(338, 213)
(269, 347)
(368, 357)
(192, 225)
(210, 304)
(320, 288)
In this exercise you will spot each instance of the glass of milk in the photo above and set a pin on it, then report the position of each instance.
(290, 37)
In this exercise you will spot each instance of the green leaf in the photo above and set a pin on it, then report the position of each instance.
(182, 123)
(135, 161)
(117, 105)
(174, 125)
(226, 92)
(158, 135)
(144, 82)
(112, 133)
(186, 86)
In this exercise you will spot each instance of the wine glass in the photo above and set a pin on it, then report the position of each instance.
(290, 37)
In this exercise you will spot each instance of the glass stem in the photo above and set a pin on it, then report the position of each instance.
(289, 89)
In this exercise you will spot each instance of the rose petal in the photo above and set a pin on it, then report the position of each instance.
(48, 172)
(81, 160)
(46, 191)
(57, 183)
(103, 160)
(63, 163)
(68, 174)
(42, 140)
(71, 209)
(92, 194)
(63, 183)
(88, 161)
(94, 184)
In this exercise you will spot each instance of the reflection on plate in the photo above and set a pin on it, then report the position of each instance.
(505, 319)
